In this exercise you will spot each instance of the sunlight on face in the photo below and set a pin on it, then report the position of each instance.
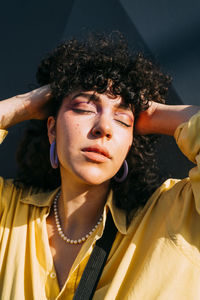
(94, 133)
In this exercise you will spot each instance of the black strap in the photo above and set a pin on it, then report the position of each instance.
(96, 262)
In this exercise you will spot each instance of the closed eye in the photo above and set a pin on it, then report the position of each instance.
(123, 118)
(123, 123)
(82, 111)
(83, 108)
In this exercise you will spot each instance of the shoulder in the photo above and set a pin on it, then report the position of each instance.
(172, 201)
(172, 209)
(10, 193)
(174, 196)
(175, 208)
(179, 208)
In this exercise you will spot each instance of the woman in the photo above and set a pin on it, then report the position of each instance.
(100, 103)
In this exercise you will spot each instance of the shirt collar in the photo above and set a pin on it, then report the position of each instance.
(41, 199)
(45, 199)
(118, 215)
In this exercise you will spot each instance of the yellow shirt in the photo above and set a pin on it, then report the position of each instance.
(156, 258)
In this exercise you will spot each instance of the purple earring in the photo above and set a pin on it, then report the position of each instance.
(125, 165)
(53, 155)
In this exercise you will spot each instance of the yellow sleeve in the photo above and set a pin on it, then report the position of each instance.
(187, 136)
(3, 134)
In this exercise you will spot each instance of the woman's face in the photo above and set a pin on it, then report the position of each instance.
(93, 133)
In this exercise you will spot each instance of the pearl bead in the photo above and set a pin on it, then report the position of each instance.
(60, 231)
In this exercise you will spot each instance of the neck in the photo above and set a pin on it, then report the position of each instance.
(80, 206)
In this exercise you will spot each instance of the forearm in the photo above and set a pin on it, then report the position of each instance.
(164, 119)
(31, 105)
(13, 111)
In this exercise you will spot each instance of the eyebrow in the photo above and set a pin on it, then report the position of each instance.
(93, 97)
(88, 96)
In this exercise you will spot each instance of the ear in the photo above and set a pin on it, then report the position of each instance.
(51, 128)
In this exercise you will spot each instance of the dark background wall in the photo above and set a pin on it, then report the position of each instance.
(169, 30)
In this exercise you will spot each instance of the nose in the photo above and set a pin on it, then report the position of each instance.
(103, 127)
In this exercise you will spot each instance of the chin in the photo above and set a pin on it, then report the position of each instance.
(93, 178)
(94, 175)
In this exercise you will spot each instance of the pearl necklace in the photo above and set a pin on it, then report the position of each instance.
(60, 231)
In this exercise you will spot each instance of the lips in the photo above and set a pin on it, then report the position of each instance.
(97, 149)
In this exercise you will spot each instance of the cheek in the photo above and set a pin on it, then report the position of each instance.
(77, 126)
(71, 135)
(125, 140)
(122, 147)
(68, 127)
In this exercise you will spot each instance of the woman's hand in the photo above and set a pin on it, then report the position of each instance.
(163, 119)
(37, 102)
(32, 105)
(143, 122)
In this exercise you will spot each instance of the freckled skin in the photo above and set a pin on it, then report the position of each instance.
(81, 124)
(75, 131)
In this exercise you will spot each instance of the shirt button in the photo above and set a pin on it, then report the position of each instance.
(53, 275)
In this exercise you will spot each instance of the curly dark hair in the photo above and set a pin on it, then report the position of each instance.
(91, 64)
